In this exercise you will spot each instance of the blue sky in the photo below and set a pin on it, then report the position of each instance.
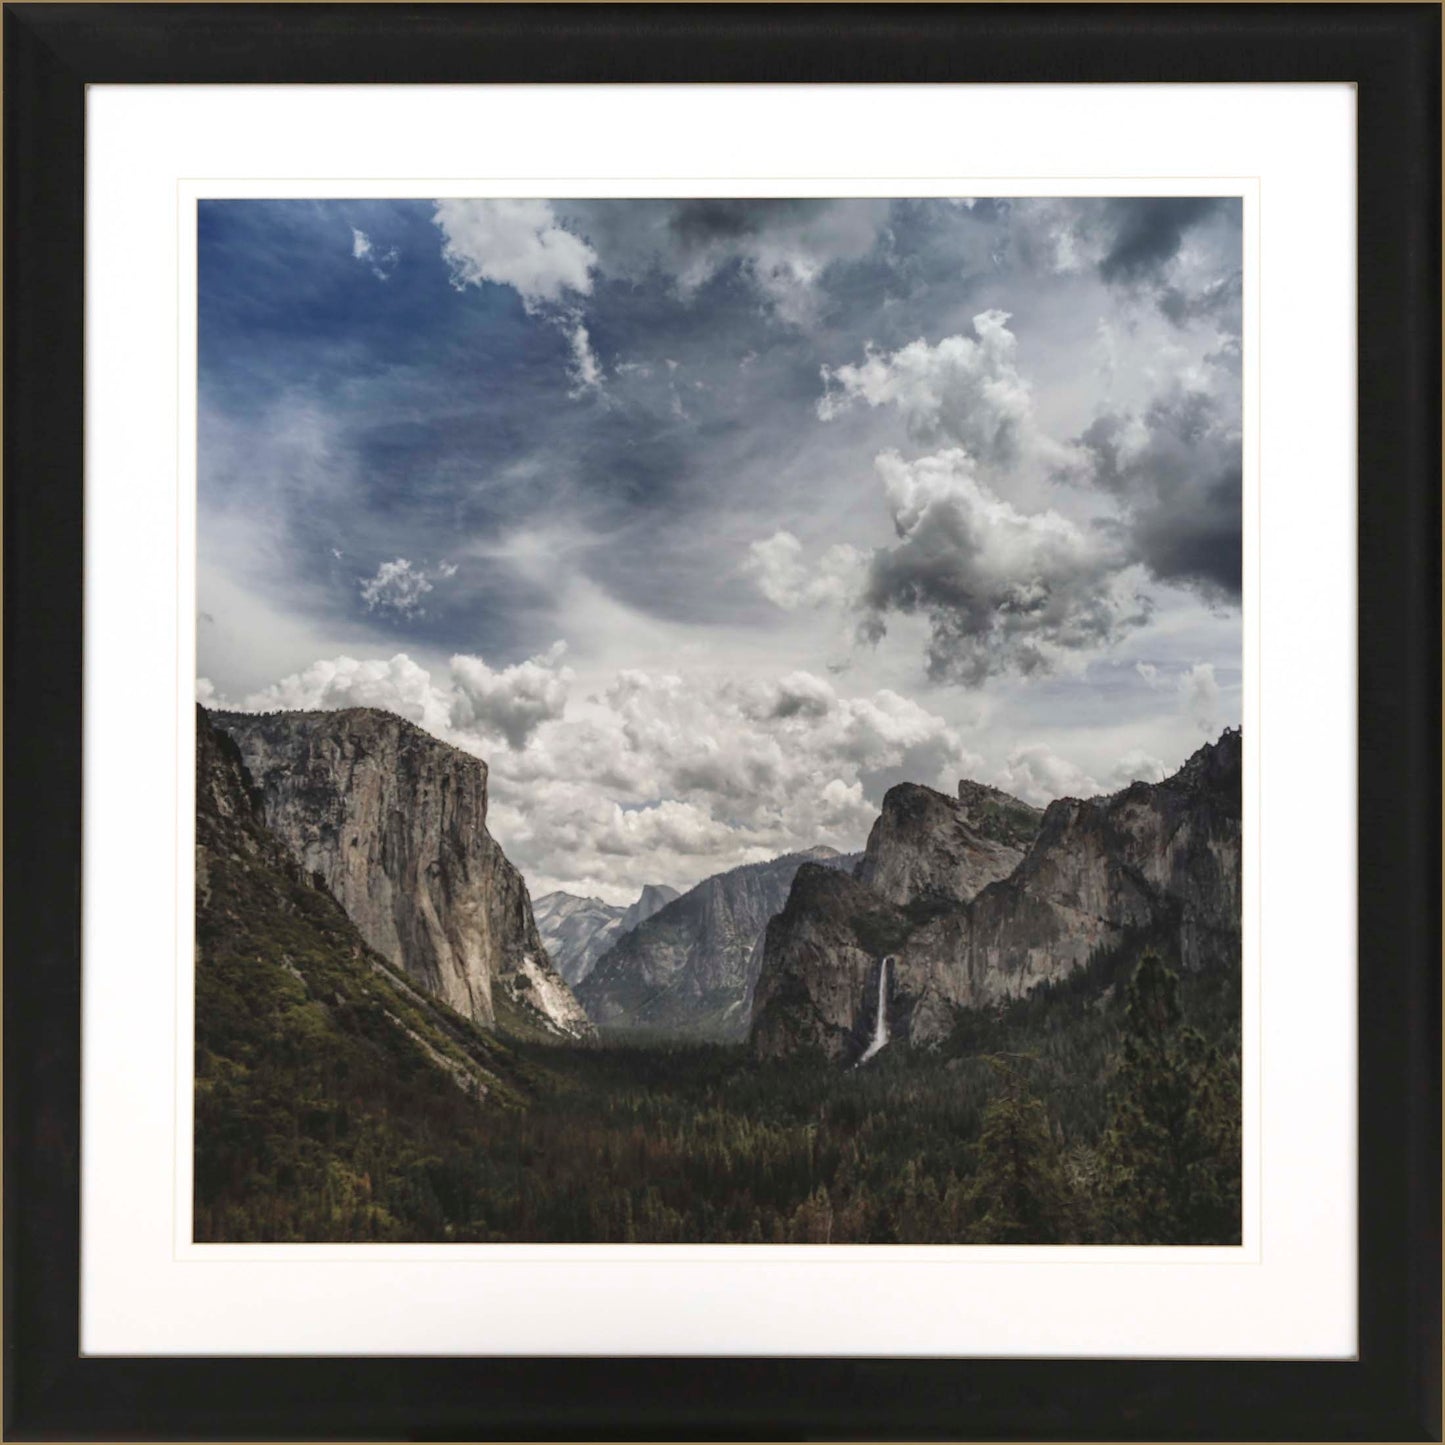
(705, 521)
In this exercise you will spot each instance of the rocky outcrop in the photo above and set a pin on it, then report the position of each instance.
(999, 816)
(578, 931)
(691, 968)
(393, 823)
(1160, 861)
(925, 845)
(1162, 858)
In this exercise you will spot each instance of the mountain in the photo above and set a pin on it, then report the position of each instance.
(326, 1083)
(690, 969)
(1156, 863)
(393, 823)
(926, 845)
(653, 899)
(578, 931)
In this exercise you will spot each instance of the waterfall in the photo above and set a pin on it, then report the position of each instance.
(880, 1024)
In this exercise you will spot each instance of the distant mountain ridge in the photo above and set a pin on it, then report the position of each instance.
(690, 968)
(578, 931)
(1157, 861)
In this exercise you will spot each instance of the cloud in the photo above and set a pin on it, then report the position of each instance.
(586, 371)
(705, 543)
(1002, 590)
(397, 684)
(1038, 775)
(1147, 232)
(962, 390)
(510, 703)
(729, 768)
(1199, 697)
(516, 243)
(1137, 766)
(397, 587)
(783, 247)
(1177, 253)
(382, 263)
(775, 565)
(657, 776)
(1177, 471)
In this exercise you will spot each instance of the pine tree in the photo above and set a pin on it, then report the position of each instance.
(1019, 1192)
(1171, 1154)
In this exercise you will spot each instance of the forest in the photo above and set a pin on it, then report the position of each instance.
(1104, 1109)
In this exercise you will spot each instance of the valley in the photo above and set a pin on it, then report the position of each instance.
(996, 1024)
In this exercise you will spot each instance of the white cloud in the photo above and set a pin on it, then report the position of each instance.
(398, 586)
(510, 703)
(586, 372)
(966, 392)
(1137, 766)
(398, 684)
(382, 263)
(775, 564)
(1199, 697)
(1038, 775)
(962, 390)
(516, 243)
(1196, 689)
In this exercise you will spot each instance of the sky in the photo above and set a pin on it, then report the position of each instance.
(704, 522)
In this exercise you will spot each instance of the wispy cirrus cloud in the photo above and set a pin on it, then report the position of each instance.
(382, 262)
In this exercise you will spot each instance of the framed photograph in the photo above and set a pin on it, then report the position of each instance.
(722, 722)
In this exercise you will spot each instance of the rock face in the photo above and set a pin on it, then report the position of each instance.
(821, 959)
(691, 968)
(1159, 861)
(393, 823)
(266, 931)
(997, 815)
(653, 899)
(578, 931)
(925, 846)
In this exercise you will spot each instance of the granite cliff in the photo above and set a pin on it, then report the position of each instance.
(926, 845)
(1156, 861)
(393, 823)
(326, 1083)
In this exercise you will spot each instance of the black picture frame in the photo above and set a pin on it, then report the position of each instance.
(1392, 52)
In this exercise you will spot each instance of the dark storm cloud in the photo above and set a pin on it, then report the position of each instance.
(709, 218)
(1148, 231)
(1177, 471)
(1146, 240)
(1002, 590)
